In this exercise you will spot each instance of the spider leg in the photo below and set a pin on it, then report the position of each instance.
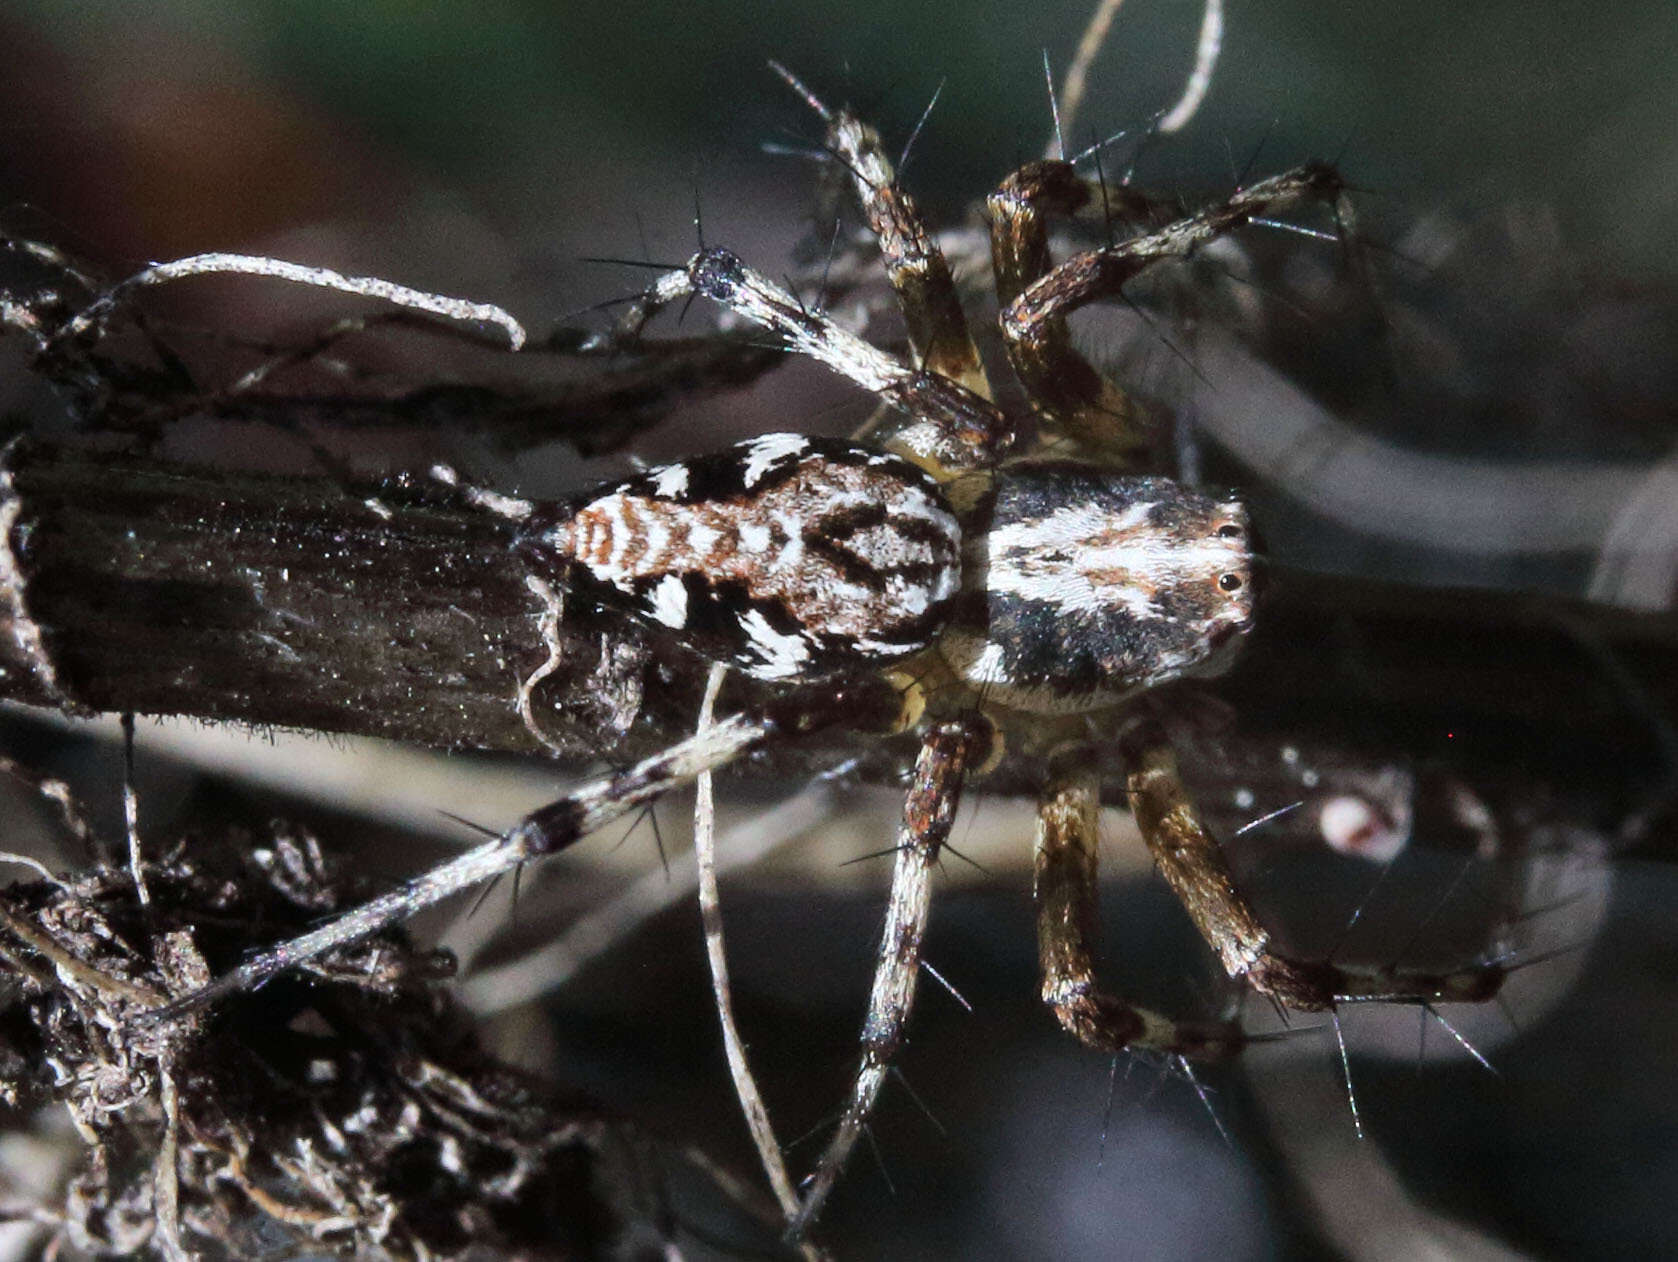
(1037, 298)
(544, 831)
(1070, 396)
(946, 424)
(915, 267)
(1066, 890)
(1191, 862)
(947, 752)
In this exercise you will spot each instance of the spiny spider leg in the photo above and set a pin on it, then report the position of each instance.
(542, 832)
(1066, 890)
(1033, 319)
(946, 423)
(915, 266)
(947, 751)
(1189, 859)
(1065, 389)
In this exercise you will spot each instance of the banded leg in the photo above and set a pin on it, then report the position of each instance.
(1066, 890)
(934, 795)
(1037, 302)
(544, 831)
(915, 267)
(1191, 862)
(1069, 394)
(947, 425)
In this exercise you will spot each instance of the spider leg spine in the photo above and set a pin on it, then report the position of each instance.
(1193, 865)
(1066, 390)
(947, 751)
(915, 266)
(1096, 274)
(544, 831)
(949, 426)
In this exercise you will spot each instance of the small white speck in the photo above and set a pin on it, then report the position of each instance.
(991, 666)
(508, 506)
(1244, 799)
(883, 648)
(1309, 778)
(1351, 826)
(1290, 755)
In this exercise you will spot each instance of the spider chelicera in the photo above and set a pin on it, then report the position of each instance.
(1019, 594)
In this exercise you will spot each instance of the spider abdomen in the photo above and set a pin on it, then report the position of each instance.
(786, 556)
(1082, 587)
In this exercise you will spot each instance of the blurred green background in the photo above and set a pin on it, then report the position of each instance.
(170, 127)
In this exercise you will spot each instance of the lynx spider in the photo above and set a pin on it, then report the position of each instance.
(1021, 594)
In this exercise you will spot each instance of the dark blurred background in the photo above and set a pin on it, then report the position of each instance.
(483, 150)
(524, 133)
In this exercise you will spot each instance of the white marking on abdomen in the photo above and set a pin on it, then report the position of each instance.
(670, 481)
(669, 602)
(781, 655)
(762, 455)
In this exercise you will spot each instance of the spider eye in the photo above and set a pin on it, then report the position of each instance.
(1229, 530)
(1229, 582)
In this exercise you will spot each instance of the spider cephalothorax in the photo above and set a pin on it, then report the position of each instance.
(1081, 587)
(1021, 590)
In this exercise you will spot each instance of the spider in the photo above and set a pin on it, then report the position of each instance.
(1018, 591)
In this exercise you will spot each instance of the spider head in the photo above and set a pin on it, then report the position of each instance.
(1081, 587)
